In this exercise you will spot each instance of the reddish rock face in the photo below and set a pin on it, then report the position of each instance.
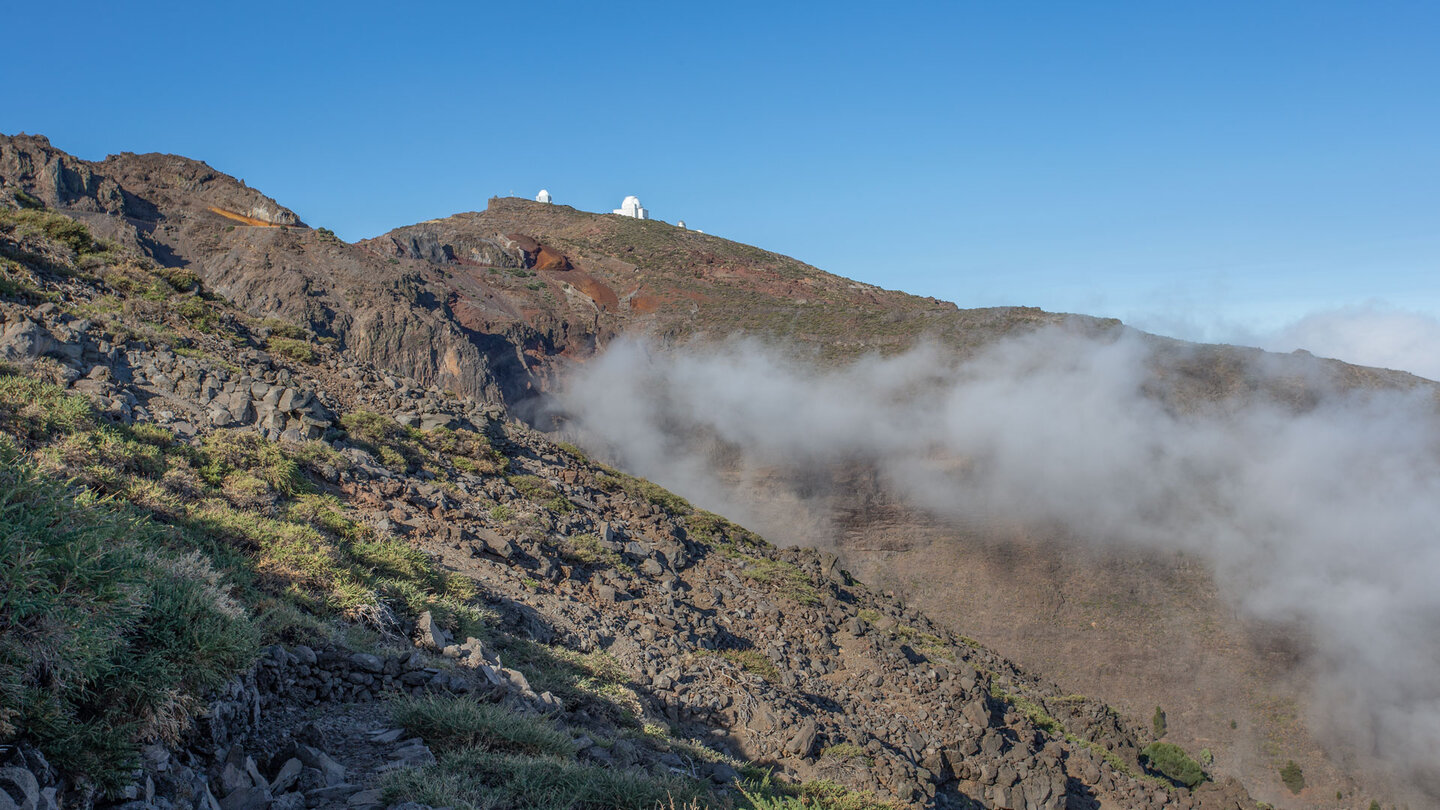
(539, 256)
(548, 259)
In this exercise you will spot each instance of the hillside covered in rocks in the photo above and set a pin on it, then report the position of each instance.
(245, 567)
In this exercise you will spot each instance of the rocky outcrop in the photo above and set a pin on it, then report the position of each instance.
(58, 180)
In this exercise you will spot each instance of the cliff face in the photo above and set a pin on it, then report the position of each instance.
(260, 255)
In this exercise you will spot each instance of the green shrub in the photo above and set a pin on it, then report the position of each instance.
(298, 350)
(1173, 763)
(844, 751)
(449, 723)
(1157, 722)
(396, 446)
(465, 450)
(200, 314)
(230, 451)
(50, 225)
(1293, 777)
(180, 279)
(645, 490)
(532, 487)
(34, 409)
(754, 662)
(284, 329)
(586, 549)
(787, 578)
(25, 199)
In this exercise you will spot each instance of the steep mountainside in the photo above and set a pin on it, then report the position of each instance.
(239, 564)
(258, 254)
(498, 304)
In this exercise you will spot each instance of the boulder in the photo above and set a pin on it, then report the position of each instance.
(27, 340)
(803, 742)
(333, 772)
(429, 634)
(18, 786)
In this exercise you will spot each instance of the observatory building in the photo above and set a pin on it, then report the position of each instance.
(543, 196)
(631, 208)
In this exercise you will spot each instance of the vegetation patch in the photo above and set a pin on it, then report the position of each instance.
(473, 779)
(279, 328)
(815, 795)
(710, 528)
(536, 489)
(615, 481)
(754, 662)
(299, 350)
(1036, 713)
(787, 578)
(454, 722)
(845, 751)
(587, 550)
(1293, 777)
(105, 627)
(1173, 763)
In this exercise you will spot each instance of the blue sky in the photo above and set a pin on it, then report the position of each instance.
(1204, 167)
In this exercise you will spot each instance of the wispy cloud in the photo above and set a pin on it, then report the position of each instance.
(1324, 518)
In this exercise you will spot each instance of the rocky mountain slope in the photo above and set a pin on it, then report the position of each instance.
(245, 569)
(497, 304)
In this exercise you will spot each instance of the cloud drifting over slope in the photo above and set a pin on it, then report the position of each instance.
(1325, 518)
(1374, 333)
(1370, 334)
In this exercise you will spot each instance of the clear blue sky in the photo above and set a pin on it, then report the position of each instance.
(1241, 160)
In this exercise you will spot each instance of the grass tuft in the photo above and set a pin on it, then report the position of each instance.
(454, 722)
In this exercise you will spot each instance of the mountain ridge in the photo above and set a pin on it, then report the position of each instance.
(452, 304)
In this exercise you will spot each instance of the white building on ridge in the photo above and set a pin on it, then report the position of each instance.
(543, 196)
(631, 208)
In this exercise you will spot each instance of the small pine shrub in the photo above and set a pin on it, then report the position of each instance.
(1158, 722)
(1173, 763)
(1293, 777)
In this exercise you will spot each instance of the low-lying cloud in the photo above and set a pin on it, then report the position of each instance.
(1369, 334)
(1374, 333)
(1325, 518)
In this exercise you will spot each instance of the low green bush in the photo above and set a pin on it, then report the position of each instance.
(298, 350)
(1173, 763)
(1293, 777)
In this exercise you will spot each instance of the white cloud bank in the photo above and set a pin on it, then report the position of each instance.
(1329, 519)
(1372, 334)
